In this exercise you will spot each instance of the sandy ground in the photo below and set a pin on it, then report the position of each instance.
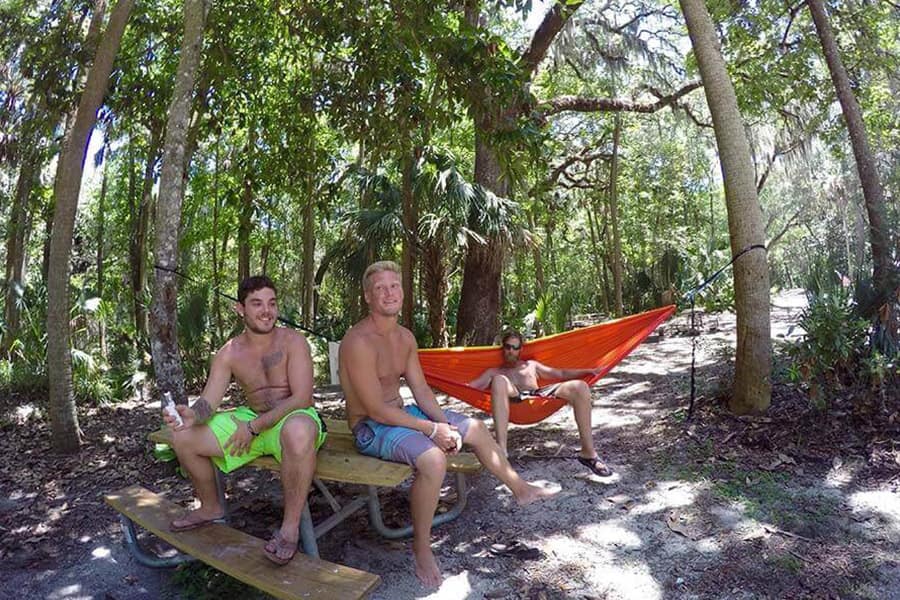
(663, 526)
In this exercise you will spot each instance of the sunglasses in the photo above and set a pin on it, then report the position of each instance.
(511, 347)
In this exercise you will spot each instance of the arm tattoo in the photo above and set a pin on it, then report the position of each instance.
(202, 410)
(270, 360)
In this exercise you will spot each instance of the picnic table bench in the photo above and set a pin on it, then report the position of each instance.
(240, 555)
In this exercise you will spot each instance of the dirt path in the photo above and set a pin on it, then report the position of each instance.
(722, 508)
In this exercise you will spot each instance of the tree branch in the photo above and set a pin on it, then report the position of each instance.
(777, 152)
(792, 14)
(787, 227)
(690, 113)
(593, 104)
(546, 32)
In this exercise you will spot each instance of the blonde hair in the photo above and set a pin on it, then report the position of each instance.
(379, 267)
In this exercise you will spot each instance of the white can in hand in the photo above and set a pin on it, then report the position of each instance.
(169, 407)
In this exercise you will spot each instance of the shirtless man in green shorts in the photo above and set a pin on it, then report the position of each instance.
(375, 354)
(273, 367)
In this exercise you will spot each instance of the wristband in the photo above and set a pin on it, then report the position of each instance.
(250, 429)
(433, 432)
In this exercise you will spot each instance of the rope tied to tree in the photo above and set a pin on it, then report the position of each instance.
(691, 295)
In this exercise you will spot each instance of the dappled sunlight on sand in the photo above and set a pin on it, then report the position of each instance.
(611, 420)
(885, 503)
(628, 579)
(635, 388)
(666, 495)
(608, 533)
(452, 588)
(69, 592)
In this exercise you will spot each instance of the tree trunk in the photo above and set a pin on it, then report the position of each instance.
(164, 310)
(217, 278)
(66, 434)
(753, 358)
(140, 231)
(245, 221)
(410, 219)
(879, 236)
(616, 262)
(596, 257)
(477, 318)
(15, 250)
(267, 245)
(309, 254)
(434, 281)
(101, 226)
(538, 260)
(479, 304)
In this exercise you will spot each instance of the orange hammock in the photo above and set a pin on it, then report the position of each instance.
(450, 369)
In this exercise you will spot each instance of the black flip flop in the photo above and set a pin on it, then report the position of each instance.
(597, 466)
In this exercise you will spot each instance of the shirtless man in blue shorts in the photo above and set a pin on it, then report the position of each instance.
(374, 355)
(273, 367)
(517, 380)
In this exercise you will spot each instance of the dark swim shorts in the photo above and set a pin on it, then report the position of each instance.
(542, 392)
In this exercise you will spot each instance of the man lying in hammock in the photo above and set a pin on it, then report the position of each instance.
(375, 354)
(517, 380)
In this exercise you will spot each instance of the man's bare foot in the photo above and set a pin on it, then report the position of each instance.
(280, 549)
(197, 518)
(427, 569)
(533, 492)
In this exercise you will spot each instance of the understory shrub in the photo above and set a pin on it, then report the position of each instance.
(841, 351)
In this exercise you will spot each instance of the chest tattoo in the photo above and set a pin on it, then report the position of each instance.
(270, 360)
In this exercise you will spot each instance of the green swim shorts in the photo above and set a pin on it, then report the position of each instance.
(267, 443)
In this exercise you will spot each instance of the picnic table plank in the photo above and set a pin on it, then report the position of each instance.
(241, 555)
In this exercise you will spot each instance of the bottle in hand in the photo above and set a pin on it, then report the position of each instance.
(169, 407)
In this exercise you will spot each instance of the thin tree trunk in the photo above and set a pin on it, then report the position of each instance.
(245, 222)
(618, 275)
(879, 236)
(267, 245)
(64, 427)
(140, 231)
(217, 278)
(101, 226)
(164, 310)
(596, 257)
(753, 358)
(15, 249)
(309, 253)
(410, 219)
(538, 260)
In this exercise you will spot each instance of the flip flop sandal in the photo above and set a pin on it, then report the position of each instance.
(597, 466)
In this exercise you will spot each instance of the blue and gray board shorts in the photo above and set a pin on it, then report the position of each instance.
(401, 444)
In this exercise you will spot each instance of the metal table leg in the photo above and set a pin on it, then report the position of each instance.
(393, 533)
(148, 559)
